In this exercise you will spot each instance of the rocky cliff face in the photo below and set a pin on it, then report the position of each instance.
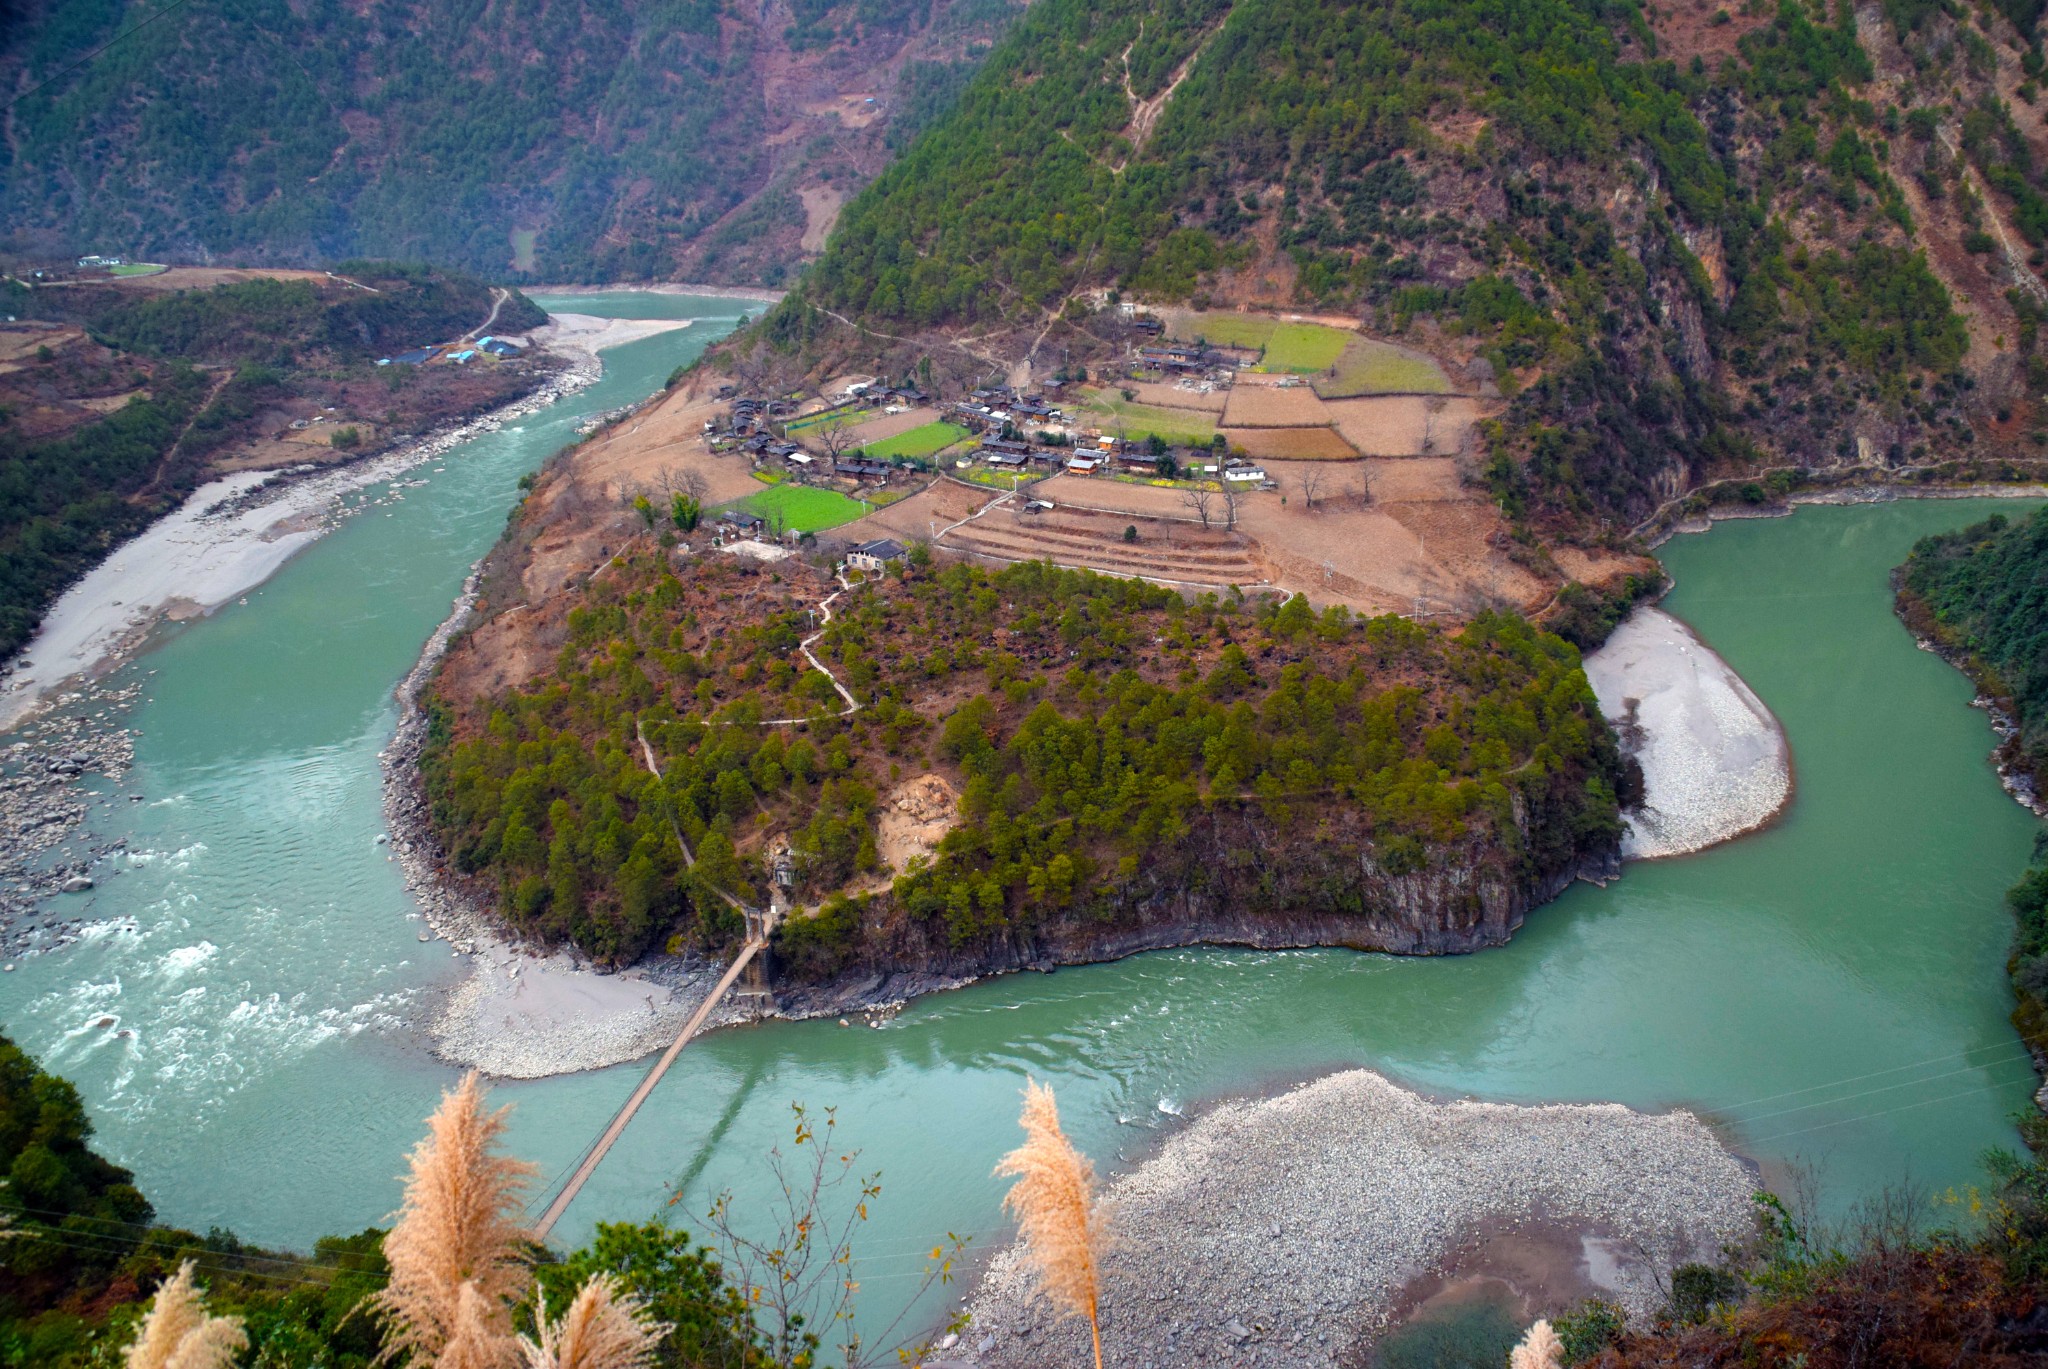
(1329, 891)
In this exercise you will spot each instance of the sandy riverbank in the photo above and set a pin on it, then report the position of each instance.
(1360, 1187)
(753, 292)
(589, 334)
(229, 536)
(1715, 762)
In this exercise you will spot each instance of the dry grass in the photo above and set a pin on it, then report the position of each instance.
(603, 1329)
(1053, 1200)
(1540, 1349)
(177, 1333)
(457, 1251)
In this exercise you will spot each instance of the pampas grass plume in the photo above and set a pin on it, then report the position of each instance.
(603, 1329)
(1054, 1202)
(456, 1249)
(177, 1333)
(1540, 1349)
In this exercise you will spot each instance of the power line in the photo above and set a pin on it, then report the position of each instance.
(130, 32)
(1869, 1093)
(1999, 1046)
(1904, 1107)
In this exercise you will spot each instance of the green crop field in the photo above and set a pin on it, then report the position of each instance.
(831, 418)
(1303, 347)
(924, 441)
(1378, 368)
(138, 268)
(1140, 421)
(799, 507)
(1225, 329)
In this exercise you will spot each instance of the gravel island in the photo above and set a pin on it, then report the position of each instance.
(1282, 1231)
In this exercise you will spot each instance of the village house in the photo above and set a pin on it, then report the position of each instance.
(877, 555)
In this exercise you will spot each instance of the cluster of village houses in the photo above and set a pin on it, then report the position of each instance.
(1015, 430)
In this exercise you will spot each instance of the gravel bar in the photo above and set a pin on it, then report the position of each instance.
(1280, 1231)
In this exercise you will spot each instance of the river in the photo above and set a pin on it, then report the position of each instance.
(1829, 989)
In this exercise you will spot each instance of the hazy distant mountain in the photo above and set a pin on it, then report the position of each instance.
(539, 139)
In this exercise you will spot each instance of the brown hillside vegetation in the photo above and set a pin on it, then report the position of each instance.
(1892, 1309)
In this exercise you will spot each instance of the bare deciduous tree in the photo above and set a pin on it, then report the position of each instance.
(1198, 497)
(1431, 408)
(836, 437)
(675, 480)
(1310, 481)
(1231, 494)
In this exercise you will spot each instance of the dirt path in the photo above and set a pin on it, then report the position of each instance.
(1145, 113)
(498, 297)
(164, 464)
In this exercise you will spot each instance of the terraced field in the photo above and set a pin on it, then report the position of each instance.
(1107, 408)
(1369, 367)
(1302, 348)
(1182, 553)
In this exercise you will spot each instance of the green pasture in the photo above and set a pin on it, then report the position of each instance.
(927, 440)
(799, 506)
(1377, 368)
(1189, 426)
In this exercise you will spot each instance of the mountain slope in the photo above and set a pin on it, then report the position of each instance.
(560, 140)
(1697, 244)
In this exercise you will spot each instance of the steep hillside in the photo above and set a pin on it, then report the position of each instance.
(1694, 243)
(552, 140)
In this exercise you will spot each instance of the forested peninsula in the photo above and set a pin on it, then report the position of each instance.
(1045, 766)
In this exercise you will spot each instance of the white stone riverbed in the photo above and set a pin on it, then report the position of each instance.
(1715, 762)
(1280, 1231)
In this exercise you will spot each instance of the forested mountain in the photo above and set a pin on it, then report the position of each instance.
(1695, 242)
(569, 139)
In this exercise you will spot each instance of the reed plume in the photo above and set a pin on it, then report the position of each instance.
(472, 1343)
(1054, 1201)
(177, 1333)
(603, 1329)
(1540, 1349)
(456, 1249)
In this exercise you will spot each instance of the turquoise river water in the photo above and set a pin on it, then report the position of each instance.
(1829, 990)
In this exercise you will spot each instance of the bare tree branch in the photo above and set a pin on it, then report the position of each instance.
(1197, 498)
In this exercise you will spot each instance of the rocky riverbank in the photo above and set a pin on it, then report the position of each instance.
(1300, 1256)
(45, 776)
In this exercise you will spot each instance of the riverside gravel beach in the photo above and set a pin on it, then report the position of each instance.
(1715, 762)
(1299, 1256)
